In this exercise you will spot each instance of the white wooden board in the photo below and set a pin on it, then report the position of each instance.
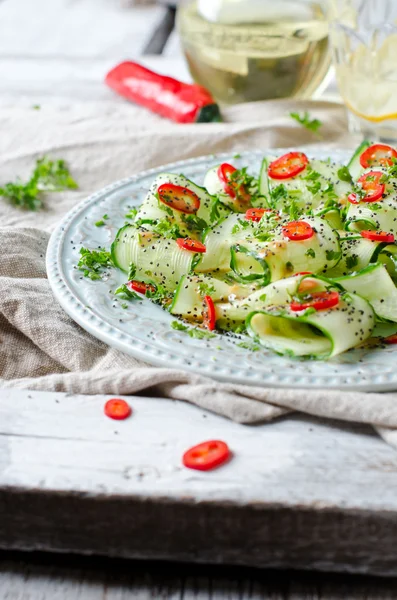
(301, 493)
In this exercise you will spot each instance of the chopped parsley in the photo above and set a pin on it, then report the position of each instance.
(345, 175)
(132, 213)
(157, 295)
(165, 228)
(249, 346)
(306, 121)
(193, 332)
(351, 261)
(332, 254)
(48, 176)
(124, 292)
(93, 263)
(240, 225)
(131, 271)
(205, 289)
(279, 193)
(310, 252)
(101, 222)
(194, 223)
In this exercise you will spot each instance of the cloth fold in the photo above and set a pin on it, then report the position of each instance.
(42, 348)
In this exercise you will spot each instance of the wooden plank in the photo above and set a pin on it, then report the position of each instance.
(298, 493)
(50, 577)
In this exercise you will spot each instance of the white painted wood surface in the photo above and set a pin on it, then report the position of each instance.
(65, 443)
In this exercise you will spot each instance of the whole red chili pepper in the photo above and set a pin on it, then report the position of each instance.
(170, 98)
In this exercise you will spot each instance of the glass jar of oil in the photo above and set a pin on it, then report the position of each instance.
(246, 50)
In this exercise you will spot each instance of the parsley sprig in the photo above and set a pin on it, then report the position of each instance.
(306, 121)
(193, 332)
(94, 263)
(48, 176)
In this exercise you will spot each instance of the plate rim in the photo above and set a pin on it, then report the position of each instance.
(107, 333)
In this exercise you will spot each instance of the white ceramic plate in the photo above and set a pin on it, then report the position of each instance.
(143, 330)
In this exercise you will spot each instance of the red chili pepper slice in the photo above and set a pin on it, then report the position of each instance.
(168, 97)
(317, 300)
(140, 287)
(225, 172)
(191, 245)
(288, 165)
(377, 236)
(392, 339)
(303, 273)
(117, 409)
(370, 184)
(378, 154)
(255, 214)
(179, 198)
(298, 231)
(207, 455)
(353, 199)
(209, 316)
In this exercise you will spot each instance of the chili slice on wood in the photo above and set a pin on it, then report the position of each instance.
(191, 245)
(117, 409)
(209, 316)
(179, 198)
(297, 231)
(207, 455)
(140, 287)
(287, 166)
(317, 300)
(377, 236)
(378, 154)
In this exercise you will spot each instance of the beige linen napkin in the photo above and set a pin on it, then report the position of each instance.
(42, 348)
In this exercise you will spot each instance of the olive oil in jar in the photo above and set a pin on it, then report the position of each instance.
(243, 62)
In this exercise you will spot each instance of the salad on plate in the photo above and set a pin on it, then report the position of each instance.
(301, 257)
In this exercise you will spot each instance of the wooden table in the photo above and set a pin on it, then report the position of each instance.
(334, 482)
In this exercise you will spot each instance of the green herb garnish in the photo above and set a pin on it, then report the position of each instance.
(206, 289)
(193, 332)
(124, 292)
(249, 346)
(345, 175)
(310, 252)
(94, 263)
(48, 176)
(351, 261)
(332, 254)
(306, 121)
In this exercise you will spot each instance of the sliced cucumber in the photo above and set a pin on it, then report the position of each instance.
(188, 298)
(357, 253)
(264, 183)
(354, 165)
(218, 241)
(316, 188)
(153, 209)
(215, 187)
(317, 254)
(232, 313)
(376, 286)
(157, 260)
(320, 334)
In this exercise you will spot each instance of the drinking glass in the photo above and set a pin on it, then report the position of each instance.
(363, 39)
(245, 50)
